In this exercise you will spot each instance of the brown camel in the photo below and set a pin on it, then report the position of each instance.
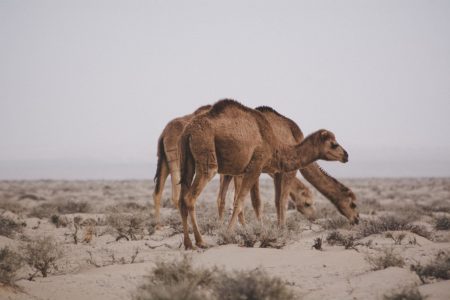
(288, 131)
(168, 158)
(233, 139)
(168, 163)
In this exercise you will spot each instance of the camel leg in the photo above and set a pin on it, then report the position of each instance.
(200, 181)
(157, 195)
(184, 208)
(237, 187)
(175, 178)
(284, 193)
(248, 181)
(256, 200)
(277, 180)
(221, 197)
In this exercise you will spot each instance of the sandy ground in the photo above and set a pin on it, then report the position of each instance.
(101, 268)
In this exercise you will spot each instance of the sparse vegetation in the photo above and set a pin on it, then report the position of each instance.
(406, 294)
(42, 255)
(387, 259)
(337, 238)
(59, 221)
(9, 227)
(438, 268)
(318, 244)
(10, 263)
(335, 223)
(442, 223)
(11, 206)
(180, 280)
(397, 238)
(47, 209)
(127, 226)
(128, 207)
(391, 223)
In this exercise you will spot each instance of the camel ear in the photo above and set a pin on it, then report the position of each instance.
(324, 135)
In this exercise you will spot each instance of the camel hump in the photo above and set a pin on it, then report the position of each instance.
(226, 104)
(294, 128)
(202, 109)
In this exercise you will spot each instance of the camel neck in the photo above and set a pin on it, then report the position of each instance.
(298, 156)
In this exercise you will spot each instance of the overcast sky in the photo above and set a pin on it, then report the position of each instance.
(86, 83)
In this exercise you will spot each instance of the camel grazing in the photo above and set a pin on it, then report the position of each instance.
(168, 163)
(168, 158)
(288, 131)
(233, 139)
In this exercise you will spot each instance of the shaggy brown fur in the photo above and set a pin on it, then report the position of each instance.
(235, 140)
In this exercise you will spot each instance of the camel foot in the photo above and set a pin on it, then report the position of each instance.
(158, 226)
(188, 245)
(202, 245)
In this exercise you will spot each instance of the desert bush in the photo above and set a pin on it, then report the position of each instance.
(72, 207)
(10, 263)
(390, 223)
(43, 210)
(41, 255)
(250, 285)
(387, 259)
(59, 221)
(11, 206)
(173, 220)
(127, 207)
(9, 227)
(335, 223)
(439, 267)
(442, 223)
(254, 234)
(397, 238)
(406, 294)
(180, 280)
(128, 226)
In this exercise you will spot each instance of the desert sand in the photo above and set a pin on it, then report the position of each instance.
(108, 262)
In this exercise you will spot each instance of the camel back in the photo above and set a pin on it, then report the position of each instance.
(295, 130)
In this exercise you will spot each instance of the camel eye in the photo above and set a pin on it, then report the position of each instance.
(352, 205)
(334, 146)
(307, 205)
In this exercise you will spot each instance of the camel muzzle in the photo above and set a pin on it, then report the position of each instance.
(345, 158)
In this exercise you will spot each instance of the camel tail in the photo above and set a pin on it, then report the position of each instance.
(186, 161)
(161, 160)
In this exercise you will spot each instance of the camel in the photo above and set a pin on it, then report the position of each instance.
(233, 139)
(288, 131)
(168, 158)
(168, 163)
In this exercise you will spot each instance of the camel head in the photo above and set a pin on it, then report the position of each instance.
(328, 147)
(304, 201)
(347, 206)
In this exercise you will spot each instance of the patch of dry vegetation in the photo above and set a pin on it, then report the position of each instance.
(391, 223)
(42, 255)
(130, 226)
(337, 238)
(10, 263)
(9, 227)
(180, 280)
(385, 260)
(255, 235)
(442, 223)
(438, 268)
(12, 206)
(46, 210)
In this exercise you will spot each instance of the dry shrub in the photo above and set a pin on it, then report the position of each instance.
(10, 263)
(442, 223)
(127, 207)
(12, 206)
(335, 223)
(254, 234)
(255, 284)
(59, 221)
(41, 255)
(72, 207)
(173, 220)
(9, 227)
(180, 280)
(439, 268)
(129, 226)
(390, 223)
(406, 294)
(46, 210)
(387, 259)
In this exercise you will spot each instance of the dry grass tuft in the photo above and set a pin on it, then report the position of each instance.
(130, 226)
(10, 263)
(46, 210)
(12, 206)
(387, 259)
(9, 227)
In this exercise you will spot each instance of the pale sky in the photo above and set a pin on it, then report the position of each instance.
(93, 83)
